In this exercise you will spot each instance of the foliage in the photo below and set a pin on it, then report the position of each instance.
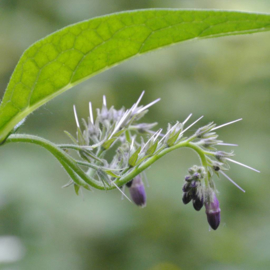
(77, 52)
(220, 76)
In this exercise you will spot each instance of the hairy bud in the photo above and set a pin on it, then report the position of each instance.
(137, 191)
(186, 198)
(212, 211)
(198, 203)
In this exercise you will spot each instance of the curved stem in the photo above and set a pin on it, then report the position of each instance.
(81, 178)
(60, 155)
(203, 159)
(151, 160)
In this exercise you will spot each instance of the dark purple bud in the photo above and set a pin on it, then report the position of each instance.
(212, 211)
(186, 198)
(128, 184)
(186, 187)
(137, 191)
(193, 184)
(198, 203)
(216, 168)
(193, 193)
(188, 178)
(196, 176)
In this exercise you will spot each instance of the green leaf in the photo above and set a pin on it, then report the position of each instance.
(71, 137)
(106, 145)
(112, 174)
(151, 150)
(133, 159)
(77, 189)
(128, 137)
(73, 54)
(173, 137)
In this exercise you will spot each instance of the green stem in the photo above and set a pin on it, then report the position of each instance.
(78, 175)
(74, 147)
(63, 157)
(151, 160)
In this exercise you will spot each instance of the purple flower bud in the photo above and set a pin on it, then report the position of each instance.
(198, 203)
(193, 184)
(186, 198)
(193, 193)
(137, 191)
(212, 211)
(196, 176)
(186, 187)
(188, 178)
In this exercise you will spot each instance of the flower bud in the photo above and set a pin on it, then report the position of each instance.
(128, 184)
(193, 193)
(198, 203)
(221, 156)
(137, 191)
(186, 187)
(196, 176)
(188, 178)
(186, 198)
(212, 211)
(193, 184)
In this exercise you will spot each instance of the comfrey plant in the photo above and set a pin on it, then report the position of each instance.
(135, 146)
(77, 52)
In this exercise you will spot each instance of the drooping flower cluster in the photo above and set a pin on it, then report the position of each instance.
(193, 189)
(135, 146)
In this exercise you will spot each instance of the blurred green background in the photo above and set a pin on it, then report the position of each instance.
(45, 227)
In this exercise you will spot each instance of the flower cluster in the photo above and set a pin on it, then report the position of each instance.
(193, 189)
(116, 148)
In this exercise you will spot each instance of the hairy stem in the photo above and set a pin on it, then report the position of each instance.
(150, 161)
(82, 179)
(63, 157)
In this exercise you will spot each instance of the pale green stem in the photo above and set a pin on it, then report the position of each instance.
(77, 174)
(150, 161)
(63, 157)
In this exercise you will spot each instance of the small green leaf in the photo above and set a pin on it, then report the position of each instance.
(80, 137)
(173, 137)
(117, 134)
(87, 187)
(112, 174)
(77, 189)
(127, 135)
(133, 159)
(75, 53)
(71, 137)
(106, 145)
(151, 150)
